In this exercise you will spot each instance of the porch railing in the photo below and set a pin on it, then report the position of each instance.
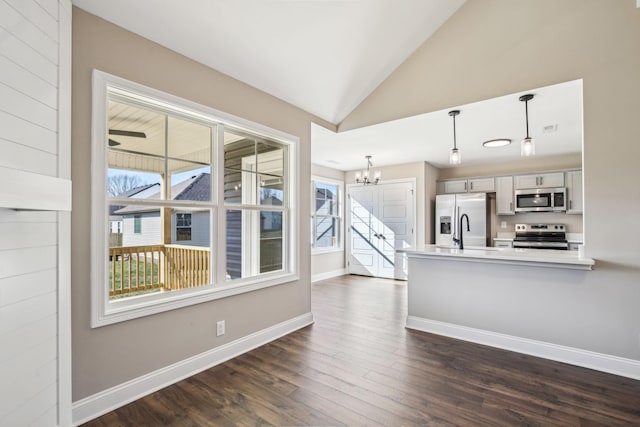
(140, 269)
(186, 267)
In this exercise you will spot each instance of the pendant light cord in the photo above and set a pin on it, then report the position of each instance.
(526, 113)
(454, 132)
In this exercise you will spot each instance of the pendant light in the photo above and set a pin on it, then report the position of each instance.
(454, 157)
(366, 177)
(528, 145)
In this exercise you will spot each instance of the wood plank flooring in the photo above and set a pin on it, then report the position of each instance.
(358, 365)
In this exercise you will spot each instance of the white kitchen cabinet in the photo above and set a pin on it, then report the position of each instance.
(540, 180)
(455, 186)
(503, 243)
(472, 185)
(574, 192)
(573, 246)
(482, 185)
(504, 196)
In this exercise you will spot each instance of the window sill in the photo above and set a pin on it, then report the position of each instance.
(136, 307)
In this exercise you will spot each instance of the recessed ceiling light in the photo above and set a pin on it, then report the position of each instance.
(494, 143)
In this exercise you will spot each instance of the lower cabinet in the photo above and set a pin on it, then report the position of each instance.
(503, 243)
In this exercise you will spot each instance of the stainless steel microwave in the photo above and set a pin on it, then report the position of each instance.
(541, 200)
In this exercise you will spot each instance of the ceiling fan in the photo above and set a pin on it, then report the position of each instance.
(129, 133)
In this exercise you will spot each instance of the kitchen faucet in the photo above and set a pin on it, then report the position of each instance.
(459, 241)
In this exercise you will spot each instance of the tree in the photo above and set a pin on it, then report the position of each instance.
(120, 184)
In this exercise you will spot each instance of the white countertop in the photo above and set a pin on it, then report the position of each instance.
(515, 256)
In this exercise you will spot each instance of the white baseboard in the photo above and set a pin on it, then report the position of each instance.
(105, 401)
(588, 359)
(329, 274)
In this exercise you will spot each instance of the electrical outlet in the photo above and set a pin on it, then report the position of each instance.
(220, 328)
(503, 224)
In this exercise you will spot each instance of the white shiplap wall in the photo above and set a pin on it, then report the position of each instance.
(34, 137)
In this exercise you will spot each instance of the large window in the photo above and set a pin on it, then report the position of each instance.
(205, 203)
(326, 223)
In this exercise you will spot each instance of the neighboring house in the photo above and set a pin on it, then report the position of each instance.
(142, 225)
(115, 220)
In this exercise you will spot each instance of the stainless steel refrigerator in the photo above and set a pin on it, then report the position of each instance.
(449, 209)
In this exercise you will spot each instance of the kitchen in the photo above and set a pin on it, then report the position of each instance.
(555, 114)
(469, 293)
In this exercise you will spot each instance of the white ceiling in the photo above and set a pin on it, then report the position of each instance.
(324, 56)
(429, 137)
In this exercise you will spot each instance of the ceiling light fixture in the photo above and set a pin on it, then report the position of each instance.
(528, 146)
(495, 143)
(365, 177)
(454, 157)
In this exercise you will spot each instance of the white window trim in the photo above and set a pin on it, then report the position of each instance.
(340, 248)
(104, 311)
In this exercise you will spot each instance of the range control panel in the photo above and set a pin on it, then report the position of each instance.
(539, 227)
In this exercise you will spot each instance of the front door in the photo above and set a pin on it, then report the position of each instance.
(381, 220)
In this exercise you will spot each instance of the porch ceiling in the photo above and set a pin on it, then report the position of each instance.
(186, 143)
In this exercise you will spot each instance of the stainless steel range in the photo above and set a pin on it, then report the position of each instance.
(541, 236)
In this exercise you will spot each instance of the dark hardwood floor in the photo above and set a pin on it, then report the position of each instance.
(358, 365)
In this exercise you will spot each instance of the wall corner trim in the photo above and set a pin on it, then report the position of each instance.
(100, 403)
(574, 356)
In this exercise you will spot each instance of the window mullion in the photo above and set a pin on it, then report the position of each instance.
(219, 225)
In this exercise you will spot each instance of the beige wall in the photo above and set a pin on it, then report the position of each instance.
(495, 47)
(535, 164)
(108, 356)
(332, 262)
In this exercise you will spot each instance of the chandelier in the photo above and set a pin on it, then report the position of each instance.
(367, 176)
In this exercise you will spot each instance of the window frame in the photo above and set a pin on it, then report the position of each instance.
(340, 184)
(137, 224)
(105, 311)
(183, 216)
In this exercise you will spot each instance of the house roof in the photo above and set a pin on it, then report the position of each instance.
(130, 193)
(196, 188)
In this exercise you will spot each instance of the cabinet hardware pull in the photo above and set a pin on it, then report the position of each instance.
(510, 206)
(471, 185)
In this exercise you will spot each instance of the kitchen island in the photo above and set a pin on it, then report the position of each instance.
(509, 298)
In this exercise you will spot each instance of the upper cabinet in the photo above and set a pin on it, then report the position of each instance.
(574, 192)
(539, 180)
(504, 196)
(471, 185)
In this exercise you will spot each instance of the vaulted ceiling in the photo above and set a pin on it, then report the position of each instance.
(323, 56)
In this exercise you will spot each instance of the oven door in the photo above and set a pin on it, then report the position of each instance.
(563, 246)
